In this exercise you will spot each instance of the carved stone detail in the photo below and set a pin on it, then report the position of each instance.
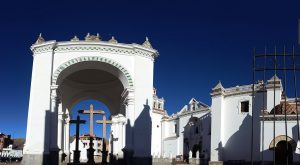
(75, 39)
(40, 39)
(147, 44)
(89, 37)
(113, 40)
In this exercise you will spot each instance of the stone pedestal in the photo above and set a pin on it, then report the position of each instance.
(104, 157)
(76, 157)
(90, 156)
(41, 159)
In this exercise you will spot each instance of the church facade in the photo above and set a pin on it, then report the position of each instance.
(182, 132)
(235, 112)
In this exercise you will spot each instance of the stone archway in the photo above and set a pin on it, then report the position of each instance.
(53, 91)
(284, 147)
(283, 138)
(91, 78)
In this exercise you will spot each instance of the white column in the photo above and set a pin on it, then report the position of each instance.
(54, 120)
(122, 129)
(60, 130)
(129, 138)
(67, 133)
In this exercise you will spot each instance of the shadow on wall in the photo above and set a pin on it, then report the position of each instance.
(139, 139)
(239, 144)
(197, 136)
(50, 158)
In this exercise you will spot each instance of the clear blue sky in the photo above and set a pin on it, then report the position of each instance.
(200, 42)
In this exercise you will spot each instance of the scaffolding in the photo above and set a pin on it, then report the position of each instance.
(283, 63)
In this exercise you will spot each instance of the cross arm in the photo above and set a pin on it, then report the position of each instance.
(103, 121)
(78, 121)
(99, 112)
(88, 111)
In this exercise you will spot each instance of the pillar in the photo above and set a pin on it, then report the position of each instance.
(60, 131)
(128, 149)
(67, 135)
(54, 149)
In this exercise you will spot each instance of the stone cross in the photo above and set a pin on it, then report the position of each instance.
(104, 150)
(91, 111)
(76, 155)
(104, 122)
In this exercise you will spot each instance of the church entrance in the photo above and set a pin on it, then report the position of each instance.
(89, 81)
(282, 153)
(65, 73)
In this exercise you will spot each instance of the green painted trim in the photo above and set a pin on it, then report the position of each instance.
(91, 58)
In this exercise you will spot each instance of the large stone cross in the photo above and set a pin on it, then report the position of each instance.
(77, 152)
(91, 111)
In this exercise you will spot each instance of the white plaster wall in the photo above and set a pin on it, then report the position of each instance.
(37, 135)
(216, 127)
(234, 129)
(170, 147)
(270, 98)
(143, 91)
(156, 134)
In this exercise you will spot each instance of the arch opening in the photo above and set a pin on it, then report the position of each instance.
(96, 81)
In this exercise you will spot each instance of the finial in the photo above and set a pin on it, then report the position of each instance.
(40, 39)
(75, 38)
(113, 40)
(91, 106)
(147, 44)
(218, 89)
(89, 37)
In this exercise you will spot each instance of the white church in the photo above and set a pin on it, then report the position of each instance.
(236, 128)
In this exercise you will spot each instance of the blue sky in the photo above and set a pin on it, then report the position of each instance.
(200, 42)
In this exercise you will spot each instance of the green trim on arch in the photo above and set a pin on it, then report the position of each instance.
(91, 58)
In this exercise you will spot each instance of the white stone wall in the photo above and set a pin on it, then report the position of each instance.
(156, 134)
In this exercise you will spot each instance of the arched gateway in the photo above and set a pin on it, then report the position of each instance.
(63, 73)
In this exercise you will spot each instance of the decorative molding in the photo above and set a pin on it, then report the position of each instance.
(278, 118)
(93, 46)
(92, 58)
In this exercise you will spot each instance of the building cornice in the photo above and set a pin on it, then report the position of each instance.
(278, 118)
(99, 46)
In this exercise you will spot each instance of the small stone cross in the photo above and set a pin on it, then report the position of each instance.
(77, 152)
(104, 122)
